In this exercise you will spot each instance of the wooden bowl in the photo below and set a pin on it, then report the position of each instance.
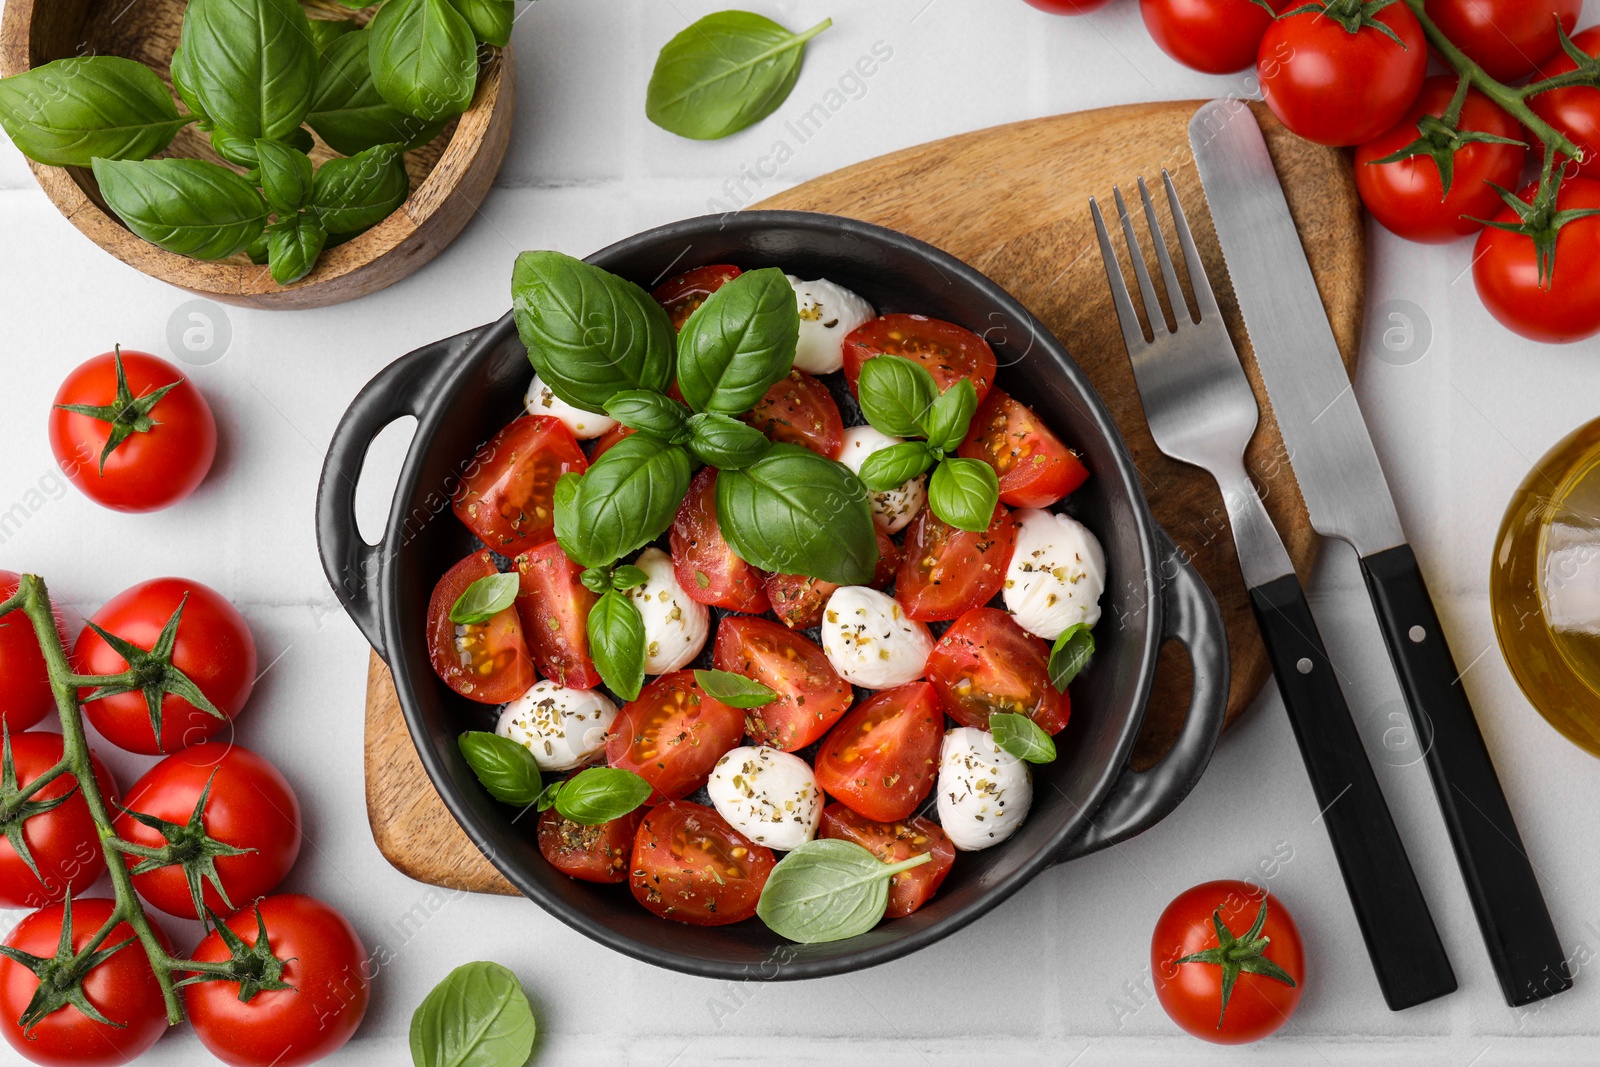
(449, 177)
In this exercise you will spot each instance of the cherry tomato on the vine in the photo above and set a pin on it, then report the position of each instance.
(1560, 308)
(1507, 38)
(25, 695)
(1068, 7)
(60, 835)
(1213, 36)
(1575, 110)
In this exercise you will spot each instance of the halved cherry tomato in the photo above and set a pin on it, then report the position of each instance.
(799, 410)
(589, 853)
(25, 695)
(949, 352)
(706, 566)
(985, 663)
(888, 567)
(682, 295)
(1575, 110)
(689, 865)
(1035, 468)
(945, 571)
(1507, 38)
(64, 841)
(673, 735)
(798, 601)
(811, 695)
(554, 607)
(892, 842)
(603, 443)
(883, 758)
(507, 497)
(487, 662)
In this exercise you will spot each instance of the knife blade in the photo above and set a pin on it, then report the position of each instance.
(1348, 497)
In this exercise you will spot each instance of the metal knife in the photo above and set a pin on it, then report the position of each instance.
(1348, 498)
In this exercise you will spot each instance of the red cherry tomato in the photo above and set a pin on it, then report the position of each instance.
(673, 735)
(324, 963)
(64, 841)
(949, 352)
(1506, 271)
(166, 455)
(893, 842)
(811, 695)
(508, 495)
(1408, 195)
(882, 759)
(985, 663)
(589, 853)
(1575, 111)
(25, 695)
(1068, 7)
(945, 571)
(1191, 992)
(1507, 38)
(706, 566)
(684, 294)
(798, 600)
(800, 411)
(122, 988)
(1340, 88)
(1214, 36)
(689, 865)
(487, 662)
(214, 649)
(1035, 468)
(250, 806)
(554, 606)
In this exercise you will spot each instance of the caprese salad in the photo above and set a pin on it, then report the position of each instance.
(750, 552)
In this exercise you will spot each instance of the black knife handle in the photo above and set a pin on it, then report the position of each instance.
(1516, 925)
(1402, 941)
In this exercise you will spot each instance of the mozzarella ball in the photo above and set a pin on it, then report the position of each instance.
(675, 624)
(984, 792)
(583, 424)
(563, 728)
(828, 313)
(768, 796)
(892, 509)
(1056, 576)
(869, 640)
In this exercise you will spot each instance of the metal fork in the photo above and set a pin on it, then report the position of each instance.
(1202, 411)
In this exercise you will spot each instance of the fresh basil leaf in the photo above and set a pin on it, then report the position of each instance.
(242, 151)
(628, 577)
(734, 690)
(197, 209)
(627, 499)
(595, 579)
(183, 85)
(794, 512)
(599, 794)
(507, 770)
(490, 19)
(424, 58)
(564, 503)
(355, 193)
(1022, 738)
(477, 1017)
(285, 176)
(484, 599)
(547, 799)
(727, 71)
(890, 468)
(895, 394)
(347, 110)
(964, 492)
(257, 249)
(739, 343)
(724, 442)
(326, 31)
(950, 415)
(589, 333)
(828, 890)
(72, 111)
(650, 412)
(1070, 655)
(251, 64)
(293, 245)
(616, 639)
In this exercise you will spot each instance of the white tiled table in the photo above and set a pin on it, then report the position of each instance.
(1058, 975)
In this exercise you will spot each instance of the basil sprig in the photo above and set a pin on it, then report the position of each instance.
(727, 71)
(478, 1015)
(627, 499)
(506, 769)
(739, 343)
(828, 890)
(1022, 737)
(734, 690)
(484, 599)
(293, 245)
(1070, 655)
(616, 638)
(73, 111)
(794, 512)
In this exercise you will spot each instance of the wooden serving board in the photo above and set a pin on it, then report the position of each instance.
(1013, 201)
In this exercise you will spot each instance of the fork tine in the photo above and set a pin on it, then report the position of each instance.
(1204, 298)
(1132, 330)
(1180, 305)
(1152, 304)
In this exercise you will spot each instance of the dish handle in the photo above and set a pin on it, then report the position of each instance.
(1140, 799)
(351, 565)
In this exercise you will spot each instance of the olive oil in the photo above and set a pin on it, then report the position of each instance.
(1544, 588)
